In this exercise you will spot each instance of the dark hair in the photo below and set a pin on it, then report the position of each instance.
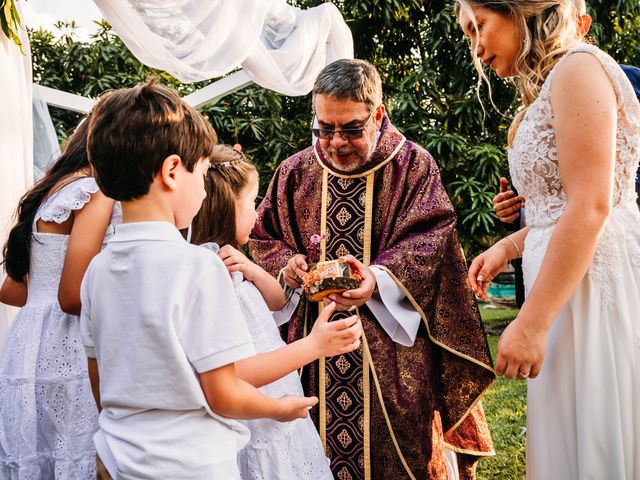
(228, 175)
(17, 249)
(132, 132)
(352, 79)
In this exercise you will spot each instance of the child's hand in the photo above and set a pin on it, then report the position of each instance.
(294, 407)
(236, 261)
(333, 338)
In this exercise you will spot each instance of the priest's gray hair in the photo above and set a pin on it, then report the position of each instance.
(351, 79)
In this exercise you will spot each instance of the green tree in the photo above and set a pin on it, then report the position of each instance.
(429, 82)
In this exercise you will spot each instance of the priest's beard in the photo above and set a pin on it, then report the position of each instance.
(361, 158)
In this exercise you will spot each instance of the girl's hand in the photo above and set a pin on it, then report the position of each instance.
(486, 266)
(521, 350)
(236, 261)
(334, 338)
(293, 407)
(358, 296)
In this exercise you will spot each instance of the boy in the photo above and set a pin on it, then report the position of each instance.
(160, 319)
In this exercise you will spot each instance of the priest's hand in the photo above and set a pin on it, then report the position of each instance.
(358, 296)
(294, 271)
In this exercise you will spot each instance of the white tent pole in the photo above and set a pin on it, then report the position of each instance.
(209, 94)
(66, 100)
(217, 90)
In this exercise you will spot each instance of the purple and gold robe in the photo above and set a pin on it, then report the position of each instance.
(386, 411)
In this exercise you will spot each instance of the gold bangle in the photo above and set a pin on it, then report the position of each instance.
(515, 245)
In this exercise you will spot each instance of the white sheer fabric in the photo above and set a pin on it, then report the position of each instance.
(280, 46)
(45, 141)
(15, 138)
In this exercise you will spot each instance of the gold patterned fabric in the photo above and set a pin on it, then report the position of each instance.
(344, 394)
(427, 396)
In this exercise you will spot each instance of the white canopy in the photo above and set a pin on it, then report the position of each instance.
(276, 45)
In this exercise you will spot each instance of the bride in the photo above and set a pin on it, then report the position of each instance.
(573, 152)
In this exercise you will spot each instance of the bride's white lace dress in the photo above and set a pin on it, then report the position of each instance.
(582, 414)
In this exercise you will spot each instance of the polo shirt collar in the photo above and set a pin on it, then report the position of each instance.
(135, 231)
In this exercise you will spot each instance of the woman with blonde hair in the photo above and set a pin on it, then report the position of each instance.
(573, 152)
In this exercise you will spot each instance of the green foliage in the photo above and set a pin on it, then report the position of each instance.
(10, 22)
(429, 81)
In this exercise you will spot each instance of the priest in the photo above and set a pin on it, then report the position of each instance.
(406, 404)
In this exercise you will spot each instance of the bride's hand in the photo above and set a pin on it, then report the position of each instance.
(521, 350)
(486, 266)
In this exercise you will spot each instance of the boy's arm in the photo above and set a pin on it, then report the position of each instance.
(94, 378)
(325, 340)
(232, 397)
(13, 293)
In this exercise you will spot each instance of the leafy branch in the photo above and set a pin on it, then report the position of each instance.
(10, 21)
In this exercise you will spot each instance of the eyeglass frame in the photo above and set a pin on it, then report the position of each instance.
(341, 133)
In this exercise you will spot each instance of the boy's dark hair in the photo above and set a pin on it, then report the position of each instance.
(17, 249)
(228, 175)
(133, 130)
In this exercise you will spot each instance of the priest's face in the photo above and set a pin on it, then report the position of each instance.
(346, 131)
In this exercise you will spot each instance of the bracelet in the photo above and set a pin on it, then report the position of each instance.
(515, 245)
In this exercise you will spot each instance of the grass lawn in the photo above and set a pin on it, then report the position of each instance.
(505, 407)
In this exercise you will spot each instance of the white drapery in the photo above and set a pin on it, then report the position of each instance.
(16, 138)
(281, 47)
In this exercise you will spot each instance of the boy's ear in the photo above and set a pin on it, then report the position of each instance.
(169, 171)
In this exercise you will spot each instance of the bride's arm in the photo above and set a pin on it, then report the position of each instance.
(584, 106)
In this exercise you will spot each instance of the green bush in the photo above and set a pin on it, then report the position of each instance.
(429, 82)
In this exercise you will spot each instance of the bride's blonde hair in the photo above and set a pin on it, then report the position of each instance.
(548, 29)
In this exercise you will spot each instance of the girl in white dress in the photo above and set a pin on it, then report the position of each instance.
(573, 153)
(283, 451)
(47, 410)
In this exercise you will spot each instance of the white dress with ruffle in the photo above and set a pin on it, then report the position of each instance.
(47, 412)
(277, 450)
(582, 410)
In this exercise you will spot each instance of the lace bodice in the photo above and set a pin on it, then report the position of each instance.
(48, 249)
(533, 163)
(533, 158)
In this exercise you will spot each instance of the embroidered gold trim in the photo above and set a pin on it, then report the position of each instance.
(366, 259)
(363, 174)
(367, 354)
(441, 345)
(322, 394)
(466, 451)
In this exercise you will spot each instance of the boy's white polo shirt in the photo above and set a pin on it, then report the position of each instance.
(156, 310)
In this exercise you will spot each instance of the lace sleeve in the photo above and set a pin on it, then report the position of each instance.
(72, 196)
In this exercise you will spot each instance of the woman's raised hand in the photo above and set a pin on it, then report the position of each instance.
(486, 266)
